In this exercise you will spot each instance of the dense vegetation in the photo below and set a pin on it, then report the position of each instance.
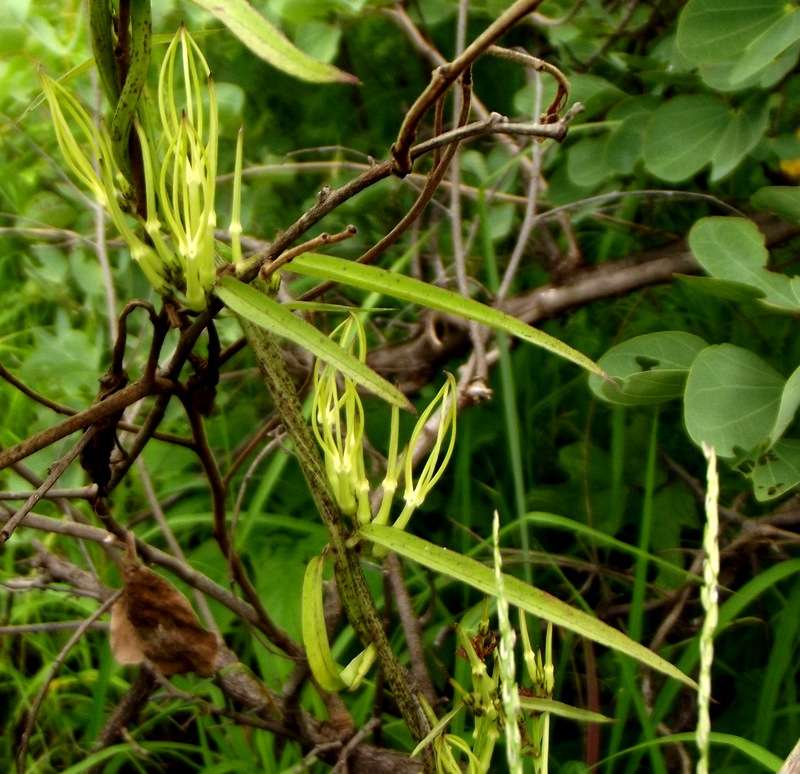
(682, 162)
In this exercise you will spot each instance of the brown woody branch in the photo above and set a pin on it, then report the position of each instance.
(446, 75)
(83, 419)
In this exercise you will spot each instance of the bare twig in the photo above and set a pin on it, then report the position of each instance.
(277, 635)
(495, 123)
(456, 224)
(431, 184)
(446, 75)
(52, 477)
(312, 244)
(126, 711)
(169, 536)
(59, 408)
(411, 627)
(149, 553)
(530, 207)
(47, 627)
(538, 65)
(81, 493)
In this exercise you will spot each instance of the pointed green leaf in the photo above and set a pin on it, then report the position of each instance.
(272, 316)
(372, 278)
(533, 704)
(437, 729)
(268, 42)
(529, 598)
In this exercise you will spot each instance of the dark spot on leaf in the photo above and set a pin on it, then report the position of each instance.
(647, 363)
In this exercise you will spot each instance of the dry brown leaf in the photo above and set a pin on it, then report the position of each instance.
(153, 620)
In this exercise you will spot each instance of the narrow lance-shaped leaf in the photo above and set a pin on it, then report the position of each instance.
(530, 599)
(260, 309)
(534, 704)
(375, 279)
(268, 42)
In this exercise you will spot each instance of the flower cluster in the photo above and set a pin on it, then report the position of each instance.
(178, 143)
(338, 422)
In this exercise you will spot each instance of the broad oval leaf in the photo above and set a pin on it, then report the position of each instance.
(734, 249)
(375, 279)
(682, 136)
(262, 310)
(763, 50)
(745, 128)
(718, 30)
(268, 42)
(528, 598)
(647, 369)
(731, 400)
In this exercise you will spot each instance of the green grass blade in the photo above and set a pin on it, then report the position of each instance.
(631, 693)
(781, 666)
(728, 612)
(260, 309)
(750, 749)
(529, 598)
(372, 278)
(554, 520)
(509, 402)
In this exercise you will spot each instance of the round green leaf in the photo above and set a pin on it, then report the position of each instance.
(647, 369)
(725, 289)
(763, 50)
(734, 249)
(731, 400)
(745, 128)
(682, 136)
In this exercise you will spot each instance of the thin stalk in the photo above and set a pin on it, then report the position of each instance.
(351, 583)
(510, 413)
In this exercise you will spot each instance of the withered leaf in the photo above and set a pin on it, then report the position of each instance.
(153, 620)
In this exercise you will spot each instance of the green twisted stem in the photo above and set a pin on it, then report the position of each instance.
(125, 110)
